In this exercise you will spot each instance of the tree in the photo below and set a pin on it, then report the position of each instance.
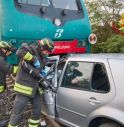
(102, 13)
(121, 23)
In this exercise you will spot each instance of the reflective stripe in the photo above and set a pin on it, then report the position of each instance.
(12, 126)
(28, 56)
(34, 121)
(41, 91)
(47, 42)
(15, 69)
(23, 89)
(1, 88)
(33, 125)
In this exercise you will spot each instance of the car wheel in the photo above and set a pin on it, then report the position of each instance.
(109, 125)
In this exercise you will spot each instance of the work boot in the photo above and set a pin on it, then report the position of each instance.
(3, 123)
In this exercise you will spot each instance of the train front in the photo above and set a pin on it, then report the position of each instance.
(65, 22)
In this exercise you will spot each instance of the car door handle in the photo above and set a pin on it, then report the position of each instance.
(94, 100)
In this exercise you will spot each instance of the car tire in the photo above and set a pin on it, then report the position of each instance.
(109, 125)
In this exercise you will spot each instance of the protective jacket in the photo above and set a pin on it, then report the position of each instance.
(5, 69)
(25, 84)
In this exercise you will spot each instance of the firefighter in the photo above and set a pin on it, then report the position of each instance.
(26, 86)
(6, 48)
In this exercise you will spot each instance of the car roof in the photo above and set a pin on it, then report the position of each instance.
(98, 56)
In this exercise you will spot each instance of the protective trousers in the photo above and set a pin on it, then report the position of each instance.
(20, 105)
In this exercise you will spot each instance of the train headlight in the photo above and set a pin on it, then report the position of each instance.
(57, 22)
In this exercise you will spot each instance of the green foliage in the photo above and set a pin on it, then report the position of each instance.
(114, 44)
(103, 33)
(102, 13)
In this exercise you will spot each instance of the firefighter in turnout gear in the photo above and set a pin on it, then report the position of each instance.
(6, 48)
(27, 86)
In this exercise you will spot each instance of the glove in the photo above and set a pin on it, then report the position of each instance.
(36, 64)
(43, 73)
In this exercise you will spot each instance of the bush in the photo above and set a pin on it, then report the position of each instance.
(114, 44)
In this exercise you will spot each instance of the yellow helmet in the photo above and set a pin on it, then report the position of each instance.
(46, 44)
(7, 45)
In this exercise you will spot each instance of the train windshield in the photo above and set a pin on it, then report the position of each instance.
(35, 2)
(65, 4)
(62, 4)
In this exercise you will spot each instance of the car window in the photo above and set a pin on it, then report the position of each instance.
(100, 82)
(77, 75)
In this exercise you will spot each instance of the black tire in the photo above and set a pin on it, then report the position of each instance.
(111, 124)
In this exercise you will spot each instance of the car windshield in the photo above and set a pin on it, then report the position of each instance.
(65, 4)
(35, 2)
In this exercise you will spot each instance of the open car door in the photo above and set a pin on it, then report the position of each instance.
(48, 98)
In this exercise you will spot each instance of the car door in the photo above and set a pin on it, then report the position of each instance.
(77, 96)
